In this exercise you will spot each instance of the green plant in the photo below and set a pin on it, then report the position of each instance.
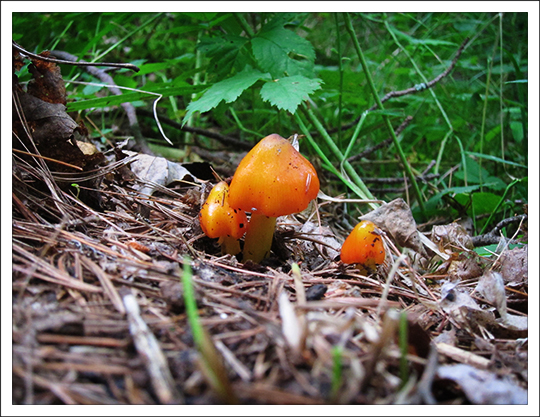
(359, 79)
(278, 57)
(210, 359)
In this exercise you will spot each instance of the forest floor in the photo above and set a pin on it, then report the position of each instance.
(99, 313)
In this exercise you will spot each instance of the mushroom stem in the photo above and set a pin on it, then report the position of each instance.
(259, 236)
(229, 245)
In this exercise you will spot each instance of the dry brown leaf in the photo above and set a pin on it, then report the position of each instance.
(155, 171)
(515, 265)
(491, 286)
(483, 387)
(396, 219)
(452, 235)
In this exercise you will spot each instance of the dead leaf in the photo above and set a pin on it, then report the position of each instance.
(291, 328)
(515, 265)
(463, 308)
(396, 219)
(41, 113)
(47, 121)
(448, 337)
(464, 268)
(323, 234)
(452, 235)
(491, 286)
(515, 323)
(155, 171)
(483, 387)
(46, 83)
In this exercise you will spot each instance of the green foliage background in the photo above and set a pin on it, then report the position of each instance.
(252, 74)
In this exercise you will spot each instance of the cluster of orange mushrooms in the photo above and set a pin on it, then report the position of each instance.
(274, 180)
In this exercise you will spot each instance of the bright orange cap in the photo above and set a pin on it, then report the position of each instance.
(363, 246)
(273, 179)
(218, 219)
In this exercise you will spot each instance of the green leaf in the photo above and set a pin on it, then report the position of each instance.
(226, 52)
(415, 41)
(492, 249)
(436, 199)
(475, 174)
(492, 133)
(282, 52)
(228, 90)
(485, 203)
(287, 93)
(353, 91)
(167, 64)
(481, 202)
(495, 159)
(517, 131)
(201, 16)
(134, 96)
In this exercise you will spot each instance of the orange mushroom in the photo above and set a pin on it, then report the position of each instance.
(363, 246)
(272, 180)
(219, 220)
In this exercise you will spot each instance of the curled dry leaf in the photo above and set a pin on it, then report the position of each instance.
(491, 286)
(453, 297)
(291, 328)
(515, 265)
(463, 308)
(396, 219)
(515, 323)
(46, 83)
(483, 387)
(323, 234)
(466, 311)
(464, 268)
(452, 235)
(48, 121)
(55, 134)
(155, 171)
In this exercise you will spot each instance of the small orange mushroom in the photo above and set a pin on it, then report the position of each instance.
(363, 246)
(219, 220)
(272, 180)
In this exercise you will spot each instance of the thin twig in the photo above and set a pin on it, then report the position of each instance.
(228, 140)
(421, 87)
(493, 237)
(70, 61)
(413, 90)
(150, 351)
(383, 144)
(111, 85)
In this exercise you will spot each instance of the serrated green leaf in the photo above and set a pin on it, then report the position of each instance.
(280, 51)
(227, 90)
(287, 93)
(225, 52)
(133, 96)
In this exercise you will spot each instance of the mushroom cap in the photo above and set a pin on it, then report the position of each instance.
(273, 179)
(218, 218)
(363, 245)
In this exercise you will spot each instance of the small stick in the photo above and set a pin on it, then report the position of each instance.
(417, 88)
(48, 159)
(384, 143)
(148, 348)
(80, 63)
